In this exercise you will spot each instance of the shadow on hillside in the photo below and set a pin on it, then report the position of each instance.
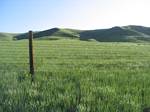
(37, 34)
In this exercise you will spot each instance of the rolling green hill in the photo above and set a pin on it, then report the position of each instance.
(54, 33)
(118, 34)
(129, 33)
(6, 36)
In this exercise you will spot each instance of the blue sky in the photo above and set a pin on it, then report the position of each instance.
(24, 15)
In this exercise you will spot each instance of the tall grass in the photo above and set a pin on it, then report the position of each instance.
(75, 76)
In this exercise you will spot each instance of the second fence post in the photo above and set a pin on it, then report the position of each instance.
(31, 59)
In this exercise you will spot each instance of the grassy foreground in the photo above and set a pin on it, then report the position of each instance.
(75, 76)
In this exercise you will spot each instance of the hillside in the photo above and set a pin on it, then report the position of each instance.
(54, 33)
(118, 34)
(6, 36)
(129, 33)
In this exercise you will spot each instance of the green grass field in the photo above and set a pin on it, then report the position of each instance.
(75, 76)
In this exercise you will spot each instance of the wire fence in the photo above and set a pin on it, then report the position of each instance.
(49, 55)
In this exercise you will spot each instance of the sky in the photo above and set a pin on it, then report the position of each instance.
(24, 15)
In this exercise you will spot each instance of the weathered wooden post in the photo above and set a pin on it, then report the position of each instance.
(31, 60)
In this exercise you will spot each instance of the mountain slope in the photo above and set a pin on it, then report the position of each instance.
(142, 29)
(115, 34)
(129, 33)
(6, 36)
(52, 33)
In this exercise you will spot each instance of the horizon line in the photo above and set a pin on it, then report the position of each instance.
(76, 28)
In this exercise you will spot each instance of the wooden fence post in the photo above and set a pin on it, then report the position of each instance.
(31, 60)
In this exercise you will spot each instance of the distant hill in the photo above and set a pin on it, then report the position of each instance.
(54, 33)
(7, 36)
(118, 34)
(131, 33)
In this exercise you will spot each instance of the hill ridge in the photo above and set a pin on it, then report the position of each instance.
(130, 33)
